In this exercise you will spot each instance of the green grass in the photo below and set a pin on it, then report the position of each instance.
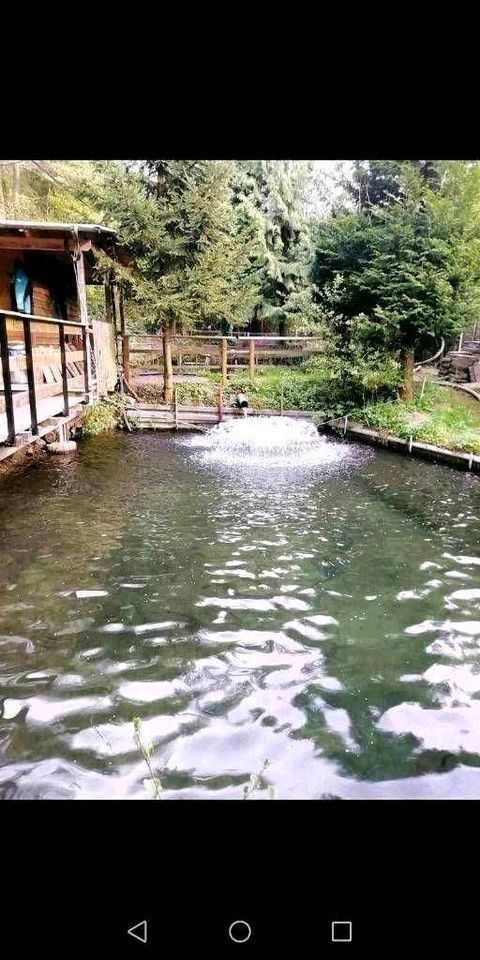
(271, 388)
(452, 420)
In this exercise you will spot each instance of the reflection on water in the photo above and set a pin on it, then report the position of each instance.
(326, 617)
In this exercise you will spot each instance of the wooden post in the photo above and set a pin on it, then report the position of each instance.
(82, 300)
(108, 301)
(175, 407)
(117, 313)
(7, 380)
(63, 359)
(224, 361)
(167, 366)
(86, 365)
(220, 404)
(30, 375)
(126, 356)
(110, 314)
(251, 359)
(125, 340)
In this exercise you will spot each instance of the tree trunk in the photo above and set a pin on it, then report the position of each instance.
(167, 365)
(224, 362)
(406, 389)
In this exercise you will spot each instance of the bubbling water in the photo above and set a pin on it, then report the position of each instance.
(272, 441)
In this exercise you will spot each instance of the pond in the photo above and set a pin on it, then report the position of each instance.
(321, 616)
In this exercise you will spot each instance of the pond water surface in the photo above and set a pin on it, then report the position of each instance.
(322, 616)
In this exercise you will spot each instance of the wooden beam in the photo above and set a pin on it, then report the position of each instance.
(61, 333)
(27, 334)
(35, 317)
(7, 382)
(52, 244)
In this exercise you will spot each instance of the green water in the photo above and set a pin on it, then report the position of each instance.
(325, 617)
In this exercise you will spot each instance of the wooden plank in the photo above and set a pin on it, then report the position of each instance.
(105, 356)
(48, 374)
(75, 385)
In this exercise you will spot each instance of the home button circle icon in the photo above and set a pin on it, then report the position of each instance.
(239, 931)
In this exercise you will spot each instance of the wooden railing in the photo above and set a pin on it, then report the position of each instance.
(31, 362)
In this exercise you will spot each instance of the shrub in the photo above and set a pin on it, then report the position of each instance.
(103, 415)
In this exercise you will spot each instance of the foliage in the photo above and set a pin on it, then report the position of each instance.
(272, 196)
(404, 268)
(190, 248)
(103, 415)
(324, 384)
(47, 190)
(448, 419)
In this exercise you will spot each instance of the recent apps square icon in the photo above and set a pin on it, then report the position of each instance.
(342, 931)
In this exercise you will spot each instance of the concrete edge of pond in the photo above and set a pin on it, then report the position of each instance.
(425, 451)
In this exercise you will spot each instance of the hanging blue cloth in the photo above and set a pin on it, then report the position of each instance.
(21, 289)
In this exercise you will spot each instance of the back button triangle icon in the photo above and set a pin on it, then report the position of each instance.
(139, 931)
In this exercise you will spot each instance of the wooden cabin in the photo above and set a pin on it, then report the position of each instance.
(53, 356)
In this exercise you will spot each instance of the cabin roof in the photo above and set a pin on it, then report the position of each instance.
(83, 229)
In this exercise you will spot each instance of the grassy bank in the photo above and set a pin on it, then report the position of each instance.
(443, 417)
(272, 388)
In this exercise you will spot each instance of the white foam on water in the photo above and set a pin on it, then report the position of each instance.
(268, 441)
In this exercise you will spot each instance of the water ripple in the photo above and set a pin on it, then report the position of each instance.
(322, 615)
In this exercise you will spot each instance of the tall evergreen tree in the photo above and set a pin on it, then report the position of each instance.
(189, 245)
(274, 196)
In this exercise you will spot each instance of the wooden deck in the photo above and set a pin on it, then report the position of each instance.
(149, 416)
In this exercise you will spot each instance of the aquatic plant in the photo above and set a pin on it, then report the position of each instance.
(152, 783)
(255, 783)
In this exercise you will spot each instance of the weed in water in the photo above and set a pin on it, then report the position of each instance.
(255, 783)
(152, 783)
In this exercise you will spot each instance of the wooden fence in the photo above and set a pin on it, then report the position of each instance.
(216, 351)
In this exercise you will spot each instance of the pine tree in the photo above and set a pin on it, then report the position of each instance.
(189, 245)
(274, 196)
